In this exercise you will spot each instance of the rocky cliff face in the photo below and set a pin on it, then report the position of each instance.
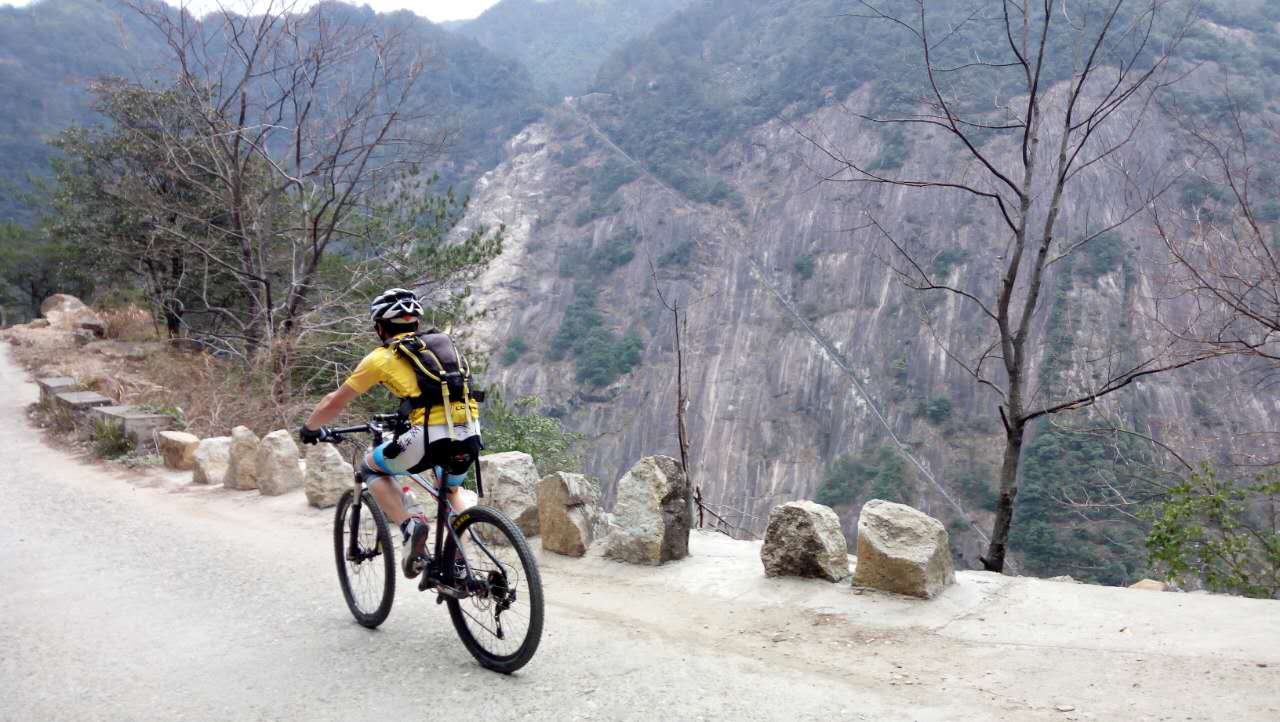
(800, 334)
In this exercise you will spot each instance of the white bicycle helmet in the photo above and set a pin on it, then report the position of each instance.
(397, 305)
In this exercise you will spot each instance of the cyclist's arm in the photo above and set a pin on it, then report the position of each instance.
(368, 374)
(331, 406)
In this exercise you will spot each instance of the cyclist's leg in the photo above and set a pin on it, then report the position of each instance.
(452, 456)
(392, 458)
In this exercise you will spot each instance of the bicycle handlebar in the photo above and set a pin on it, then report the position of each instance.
(379, 422)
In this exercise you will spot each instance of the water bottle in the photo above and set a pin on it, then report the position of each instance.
(411, 505)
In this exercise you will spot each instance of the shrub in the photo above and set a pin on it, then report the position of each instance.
(518, 427)
(878, 473)
(516, 346)
(110, 441)
(803, 267)
(1102, 255)
(948, 259)
(600, 356)
(679, 255)
(936, 410)
(1217, 531)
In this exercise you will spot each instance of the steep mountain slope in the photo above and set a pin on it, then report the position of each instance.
(563, 42)
(49, 51)
(52, 50)
(800, 336)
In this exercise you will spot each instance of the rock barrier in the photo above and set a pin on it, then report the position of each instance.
(652, 517)
(242, 465)
(566, 513)
(212, 457)
(804, 539)
(511, 485)
(277, 465)
(902, 550)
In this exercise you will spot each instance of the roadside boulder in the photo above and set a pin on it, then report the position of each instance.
(178, 449)
(68, 313)
(566, 513)
(242, 464)
(511, 485)
(211, 458)
(1150, 585)
(803, 539)
(328, 475)
(902, 550)
(278, 469)
(652, 517)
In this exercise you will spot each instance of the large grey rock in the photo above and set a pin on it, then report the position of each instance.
(803, 539)
(178, 449)
(328, 475)
(212, 457)
(567, 511)
(242, 467)
(902, 550)
(652, 517)
(511, 485)
(278, 468)
(68, 313)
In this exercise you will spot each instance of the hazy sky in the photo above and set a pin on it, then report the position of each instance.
(436, 10)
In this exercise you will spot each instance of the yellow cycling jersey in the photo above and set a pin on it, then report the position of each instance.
(384, 366)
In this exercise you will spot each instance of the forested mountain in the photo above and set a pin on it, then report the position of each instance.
(52, 50)
(49, 52)
(563, 42)
(698, 164)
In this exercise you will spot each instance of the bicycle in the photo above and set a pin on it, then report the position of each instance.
(480, 559)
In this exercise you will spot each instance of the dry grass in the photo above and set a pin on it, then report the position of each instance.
(129, 323)
(210, 396)
(214, 396)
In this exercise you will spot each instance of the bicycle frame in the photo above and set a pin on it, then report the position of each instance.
(443, 513)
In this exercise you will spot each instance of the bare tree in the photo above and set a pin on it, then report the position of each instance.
(1221, 230)
(299, 119)
(1027, 108)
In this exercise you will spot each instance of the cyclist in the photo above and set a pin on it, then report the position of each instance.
(427, 443)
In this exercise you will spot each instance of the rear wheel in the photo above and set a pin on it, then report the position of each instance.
(367, 569)
(500, 619)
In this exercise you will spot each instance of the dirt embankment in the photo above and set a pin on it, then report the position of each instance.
(132, 364)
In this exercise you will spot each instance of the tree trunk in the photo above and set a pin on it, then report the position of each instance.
(994, 559)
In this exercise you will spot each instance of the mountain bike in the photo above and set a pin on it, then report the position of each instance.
(480, 566)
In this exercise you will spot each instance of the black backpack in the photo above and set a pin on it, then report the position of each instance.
(444, 376)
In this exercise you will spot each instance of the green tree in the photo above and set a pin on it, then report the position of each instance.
(1221, 532)
(518, 427)
(33, 267)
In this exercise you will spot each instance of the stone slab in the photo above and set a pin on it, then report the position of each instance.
(137, 423)
(54, 385)
(82, 400)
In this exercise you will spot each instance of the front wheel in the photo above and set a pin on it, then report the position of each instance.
(366, 560)
(500, 619)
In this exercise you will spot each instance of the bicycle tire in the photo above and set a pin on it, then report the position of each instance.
(508, 662)
(378, 614)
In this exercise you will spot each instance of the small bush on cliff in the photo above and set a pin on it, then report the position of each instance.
(877, 473)
(600, 355)
(937, 410)
(519, 427)
(1221, 532)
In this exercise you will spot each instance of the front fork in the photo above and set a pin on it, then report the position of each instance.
(353, 545)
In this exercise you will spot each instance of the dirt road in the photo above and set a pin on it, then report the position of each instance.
(135, 596)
